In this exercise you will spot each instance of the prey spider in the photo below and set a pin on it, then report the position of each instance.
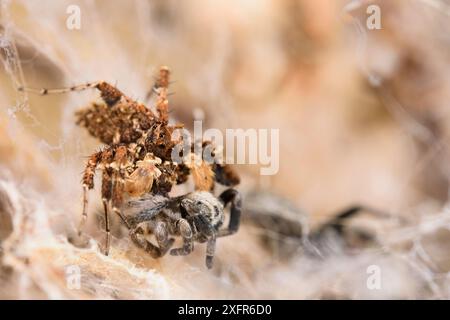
(284, 229)
(196, 217)
(137, 157)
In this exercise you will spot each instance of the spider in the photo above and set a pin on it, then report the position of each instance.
(137, 157)
(285, 230)
(195, 217)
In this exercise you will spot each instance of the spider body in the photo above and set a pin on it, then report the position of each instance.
(195, 217)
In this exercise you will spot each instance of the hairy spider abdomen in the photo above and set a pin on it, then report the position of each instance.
(123, 122)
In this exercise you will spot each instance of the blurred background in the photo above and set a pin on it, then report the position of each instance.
(363, 117)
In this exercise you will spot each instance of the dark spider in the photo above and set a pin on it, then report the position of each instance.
(285, 229)
(195, 217)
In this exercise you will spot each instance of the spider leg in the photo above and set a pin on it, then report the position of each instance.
(337, 222)
(185, 230)
(144, 244)
(233, 196)
(109, 93)
(210, 250)
(117, 197)
(88, 184)
(162, 105)
(150, 93)
(106, 197)
(121, 216)
(206, 231)
(162, 237)
(45, 91)
(107, 229)
(225, 175)
(161, 87)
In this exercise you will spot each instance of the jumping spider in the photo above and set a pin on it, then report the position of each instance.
(137, 157)
(195, 217)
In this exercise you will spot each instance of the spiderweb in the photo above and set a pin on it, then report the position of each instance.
(42, 151)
